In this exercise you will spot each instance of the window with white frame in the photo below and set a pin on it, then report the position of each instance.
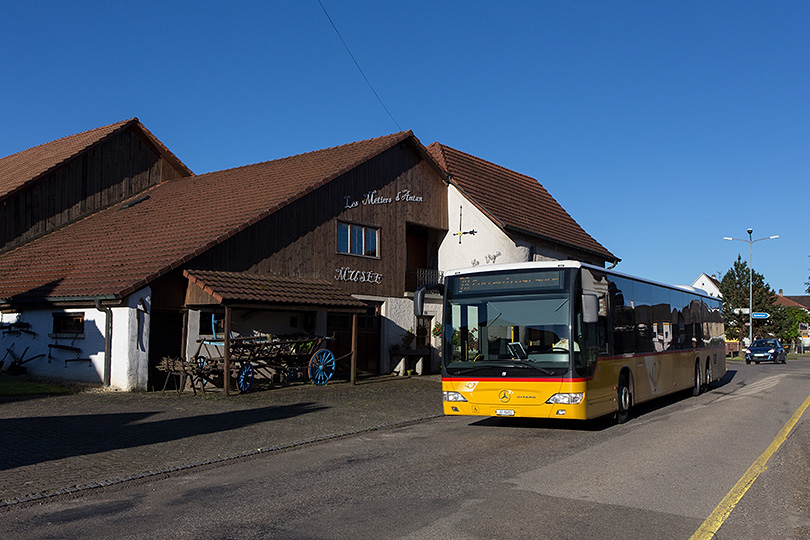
(354, 239)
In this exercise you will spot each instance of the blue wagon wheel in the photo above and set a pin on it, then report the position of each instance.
(321, 367)
(202, 368)
(244, 378)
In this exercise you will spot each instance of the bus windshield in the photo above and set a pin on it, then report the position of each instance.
(526, 331)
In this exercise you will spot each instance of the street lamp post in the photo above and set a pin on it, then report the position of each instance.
(751, 278)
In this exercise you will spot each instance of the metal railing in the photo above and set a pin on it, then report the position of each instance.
(416, 277)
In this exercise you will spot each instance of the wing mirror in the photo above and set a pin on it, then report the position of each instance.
(590, 308)
(419, 297)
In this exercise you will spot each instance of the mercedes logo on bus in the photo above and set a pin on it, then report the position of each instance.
(505, 395)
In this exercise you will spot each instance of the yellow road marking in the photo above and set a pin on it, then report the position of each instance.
(716, 519)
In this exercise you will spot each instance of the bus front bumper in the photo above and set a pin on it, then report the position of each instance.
(525, 400)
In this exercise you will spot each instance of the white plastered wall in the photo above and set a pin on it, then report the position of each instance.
(130, 342)
(489, 245)
(59, 360)
(56, 362)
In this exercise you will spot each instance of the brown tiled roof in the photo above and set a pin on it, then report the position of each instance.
(245, 288)
(119, 250)
(23, 167)
(794, 301)
(514, 201)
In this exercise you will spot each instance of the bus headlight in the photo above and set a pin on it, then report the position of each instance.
(566, 399)
(452, 396)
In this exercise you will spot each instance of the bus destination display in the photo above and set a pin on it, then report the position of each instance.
(510, 282)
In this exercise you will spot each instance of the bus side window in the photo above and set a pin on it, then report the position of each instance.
(593, 338)
(602, 326)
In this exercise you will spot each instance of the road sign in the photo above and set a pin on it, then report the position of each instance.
(760, 315)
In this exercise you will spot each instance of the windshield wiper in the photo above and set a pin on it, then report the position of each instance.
(476, 368)
(528, 365)
(515, 364)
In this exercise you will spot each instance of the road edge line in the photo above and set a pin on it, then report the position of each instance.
(709, 528)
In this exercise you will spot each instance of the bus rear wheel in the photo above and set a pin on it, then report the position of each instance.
(709, 376)
(696, 386)
(625, 400)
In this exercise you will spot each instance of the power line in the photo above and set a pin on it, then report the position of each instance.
(358, 66)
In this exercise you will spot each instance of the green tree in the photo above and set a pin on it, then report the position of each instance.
(734, 288)
(786, 322)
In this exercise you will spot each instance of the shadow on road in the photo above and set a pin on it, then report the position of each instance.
(33, 440)
(598, 424)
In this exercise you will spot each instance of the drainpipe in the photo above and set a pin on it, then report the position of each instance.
(107, 342)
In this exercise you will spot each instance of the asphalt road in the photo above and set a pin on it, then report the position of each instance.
(658, 476)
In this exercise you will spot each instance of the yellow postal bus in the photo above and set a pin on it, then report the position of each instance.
(565, 339)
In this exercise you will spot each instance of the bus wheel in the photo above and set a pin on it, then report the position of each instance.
(625, 400)
(708, 380)
(696, 386)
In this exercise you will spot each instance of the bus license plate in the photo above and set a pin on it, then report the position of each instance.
(505, 412)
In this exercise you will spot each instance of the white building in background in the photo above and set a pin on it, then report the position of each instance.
(708, 283)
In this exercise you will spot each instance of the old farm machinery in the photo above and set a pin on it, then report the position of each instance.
(283, 359)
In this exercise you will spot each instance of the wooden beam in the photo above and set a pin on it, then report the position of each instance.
(184, 336)
(227, 344)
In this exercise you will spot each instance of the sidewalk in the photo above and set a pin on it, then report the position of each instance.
(58, 444)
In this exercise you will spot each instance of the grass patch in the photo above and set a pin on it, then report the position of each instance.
(15, 386)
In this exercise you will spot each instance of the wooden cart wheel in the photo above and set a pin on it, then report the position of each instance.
(321, 367)
(245, 377)
(202, 368)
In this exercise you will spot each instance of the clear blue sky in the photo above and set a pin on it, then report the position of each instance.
(660, 127)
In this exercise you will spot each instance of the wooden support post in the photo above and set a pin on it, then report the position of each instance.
(227, 344)
(354, 349)
(184, 337)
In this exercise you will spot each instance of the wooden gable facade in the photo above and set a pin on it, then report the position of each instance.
(114, 167)
(397, 195)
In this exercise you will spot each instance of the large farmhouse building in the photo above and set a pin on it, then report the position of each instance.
(113, 255)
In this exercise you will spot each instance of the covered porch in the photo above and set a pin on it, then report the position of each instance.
(263, 325)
